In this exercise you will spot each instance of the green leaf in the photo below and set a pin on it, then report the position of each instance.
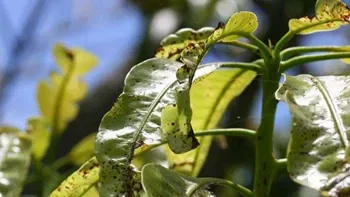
(39, 129)
(15, 148)
(80, 182)
(159, 181)
(318, 153)
(239, 24)
(58, 96)
(84, 150)
(176, 119)
(134, 121)
(210, 97)
(330, 15)
(174, 44)
(346, 48)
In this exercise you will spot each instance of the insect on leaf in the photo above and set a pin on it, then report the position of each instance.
(58, 96)
(15, 149)
(318, 153)
(330, 15)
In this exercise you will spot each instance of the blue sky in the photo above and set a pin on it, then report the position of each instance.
(109, 30)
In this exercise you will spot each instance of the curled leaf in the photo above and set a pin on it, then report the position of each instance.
(330, 15)
(58, 96)
(135, 120)
(15, 149)
(210, 96)
(319, 145)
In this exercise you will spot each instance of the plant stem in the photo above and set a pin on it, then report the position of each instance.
(236, 132)
(264, 49)
(264, 158)
(309, 49)
(244, 45)
(250, 66)
(312, 58)
(281, 164)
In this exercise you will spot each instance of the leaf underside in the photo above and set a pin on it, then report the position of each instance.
(330, 15)
(318, 153)
(15, 149)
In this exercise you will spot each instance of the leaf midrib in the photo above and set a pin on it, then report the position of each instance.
(338, 122)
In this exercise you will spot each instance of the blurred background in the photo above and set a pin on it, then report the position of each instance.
(122, 33)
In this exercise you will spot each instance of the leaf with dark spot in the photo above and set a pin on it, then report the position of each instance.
(319, 145)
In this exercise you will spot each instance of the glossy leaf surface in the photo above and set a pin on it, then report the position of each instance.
(15, 149)
(134, 121)
(59, 95)
(330, 15)
(318, 153)
(210, 96)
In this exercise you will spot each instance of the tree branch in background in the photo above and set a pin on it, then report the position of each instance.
(19, 46)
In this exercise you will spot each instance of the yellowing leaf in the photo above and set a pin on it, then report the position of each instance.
(80, 182)
(239, 23)
(330, 15)
(39, 130)
(84, 150)
(58, 96)
(74, 61)
(210, 97)
(172, 45)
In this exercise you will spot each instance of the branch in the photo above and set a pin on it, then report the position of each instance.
(312, 58)
(19, 47)
(309, 49)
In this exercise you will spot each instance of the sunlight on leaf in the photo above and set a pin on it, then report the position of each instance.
(39, 130)
(210, 97)
(238, 24)
(84, 150)
(319, 146)
(330, 15)
(174, 44)
(15, 149)
(58, 96)
(135, 119)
